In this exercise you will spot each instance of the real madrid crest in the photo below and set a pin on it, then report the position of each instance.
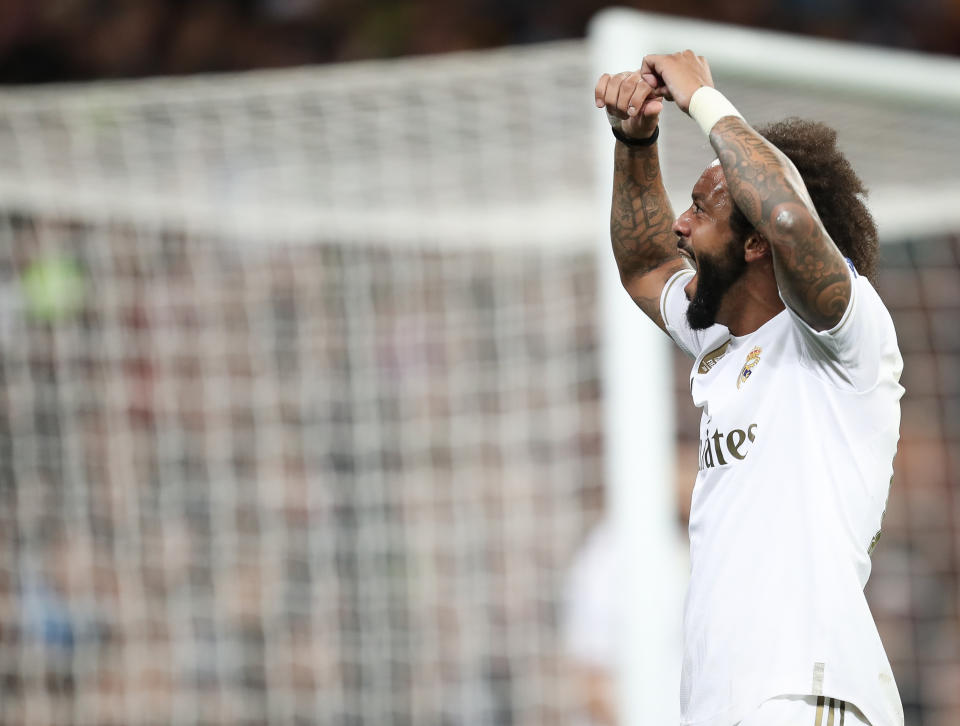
(753, 357)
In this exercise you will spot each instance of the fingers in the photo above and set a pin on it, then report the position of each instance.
(652, 108)
(652, 69)
(705, 67)
(639, 91)
(608, 90)
(623, 94)
(612, 95)
(676, 76)
(601, 90)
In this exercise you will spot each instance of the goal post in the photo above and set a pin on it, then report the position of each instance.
(640, 444)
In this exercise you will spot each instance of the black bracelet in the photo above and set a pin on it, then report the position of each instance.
(636, 143)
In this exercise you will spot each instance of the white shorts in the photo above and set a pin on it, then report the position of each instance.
(805, 711)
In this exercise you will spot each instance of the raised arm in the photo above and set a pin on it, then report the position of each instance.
(811, 273)
(641, 217)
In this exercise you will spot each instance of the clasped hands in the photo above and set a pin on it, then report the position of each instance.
(634, 99)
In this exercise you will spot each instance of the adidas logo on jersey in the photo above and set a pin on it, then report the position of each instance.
(720, 449)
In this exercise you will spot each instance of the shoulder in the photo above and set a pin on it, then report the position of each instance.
(861, 348)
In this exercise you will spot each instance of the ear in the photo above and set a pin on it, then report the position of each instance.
(756, 247)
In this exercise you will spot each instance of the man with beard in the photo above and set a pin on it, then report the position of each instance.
(765, 282)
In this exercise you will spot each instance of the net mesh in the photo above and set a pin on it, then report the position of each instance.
(289, 435)
(357, 152)
(300, 393)
(915, 588)
(319, 484)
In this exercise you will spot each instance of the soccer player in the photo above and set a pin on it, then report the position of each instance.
(765, 282)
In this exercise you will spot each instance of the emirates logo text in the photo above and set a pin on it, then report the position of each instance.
(721, 448)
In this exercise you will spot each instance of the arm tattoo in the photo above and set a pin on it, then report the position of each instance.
(641, 220)
(811, 271)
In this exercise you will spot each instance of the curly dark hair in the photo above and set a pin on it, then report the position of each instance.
(836, 190)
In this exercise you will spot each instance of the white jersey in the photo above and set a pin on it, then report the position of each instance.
(797, 438)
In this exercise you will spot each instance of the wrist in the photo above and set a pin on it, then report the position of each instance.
(616, 125)
(708, 105)
(633, 142)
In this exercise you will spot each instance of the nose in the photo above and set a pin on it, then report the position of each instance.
(681, 226)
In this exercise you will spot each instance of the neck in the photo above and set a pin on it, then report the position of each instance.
(750, 302)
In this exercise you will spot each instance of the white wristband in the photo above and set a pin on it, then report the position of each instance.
(708, 105)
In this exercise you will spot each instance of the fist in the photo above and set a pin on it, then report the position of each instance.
(630, 102)
(677, 76)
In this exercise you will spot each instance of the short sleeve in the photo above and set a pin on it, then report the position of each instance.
(673, 310)
(859, 350)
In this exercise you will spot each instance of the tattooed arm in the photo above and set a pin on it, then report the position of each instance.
(641, 217)
(811, 273)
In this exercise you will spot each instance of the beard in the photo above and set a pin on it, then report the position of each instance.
(715, 276)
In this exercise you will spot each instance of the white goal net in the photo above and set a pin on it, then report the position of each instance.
(300, 395)
(301, 389)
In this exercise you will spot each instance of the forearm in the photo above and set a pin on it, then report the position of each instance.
(766, 186)
(641, 217)
(761, 180)
(810, 271)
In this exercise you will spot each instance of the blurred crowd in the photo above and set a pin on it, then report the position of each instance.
(233, 493)
(64, 40)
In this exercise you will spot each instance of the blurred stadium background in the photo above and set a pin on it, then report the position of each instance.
(300, 369)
